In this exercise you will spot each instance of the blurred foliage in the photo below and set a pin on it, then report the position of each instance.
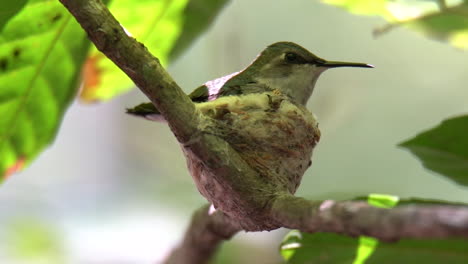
(437, 19)
(239, 251)
(363, 7)
(34, 242)
(41, 52)
(320, 248)
(172, 26)
(156, 23)
(198, 14)
(444, 149)
(301, 248)
(334, 249)
(43, 49)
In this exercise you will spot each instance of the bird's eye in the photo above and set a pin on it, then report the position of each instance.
(294, 58)
(291, 57)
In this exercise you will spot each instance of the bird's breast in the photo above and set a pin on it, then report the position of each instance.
(272, 134)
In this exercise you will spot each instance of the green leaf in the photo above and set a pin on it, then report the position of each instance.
(156, 23)
(451, 251)
(42, 50)
(362, 7)
(382, 200)
(169, 28)
(9, 9)
(444, 149)
(440, 20)
(450, 24)
(328, 248)
(318, 248)
(199, 14)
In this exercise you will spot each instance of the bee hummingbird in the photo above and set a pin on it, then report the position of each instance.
(263, 115)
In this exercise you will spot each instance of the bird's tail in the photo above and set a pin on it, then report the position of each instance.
(146, 111)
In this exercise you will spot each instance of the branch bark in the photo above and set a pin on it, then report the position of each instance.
(356, 218)
(259, 206)
(204, 235)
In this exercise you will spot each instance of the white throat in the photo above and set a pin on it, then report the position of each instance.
(298, 85)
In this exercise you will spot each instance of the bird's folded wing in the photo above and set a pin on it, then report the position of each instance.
(149, 111)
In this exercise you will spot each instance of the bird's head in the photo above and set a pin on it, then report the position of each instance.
(292, 69)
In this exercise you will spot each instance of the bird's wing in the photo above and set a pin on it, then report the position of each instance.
(145, 110)
(235, 88)
(199, 95)
(224, 86)
(149, 111)
(207, 92)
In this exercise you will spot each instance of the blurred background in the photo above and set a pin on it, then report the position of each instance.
(115, 189)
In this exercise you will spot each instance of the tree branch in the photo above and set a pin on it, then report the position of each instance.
(205, 233)
(352, 218)
(356, 218)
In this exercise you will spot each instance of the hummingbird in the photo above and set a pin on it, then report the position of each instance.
(263, 114)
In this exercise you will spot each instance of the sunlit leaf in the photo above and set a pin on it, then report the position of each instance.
(444, 149)
(42, 49)
(441, 20)
(382, 200)
(362, 7)
(166, 27)
(329, 248)
(156, 23)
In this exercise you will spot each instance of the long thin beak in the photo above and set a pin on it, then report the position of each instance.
(335, 64)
